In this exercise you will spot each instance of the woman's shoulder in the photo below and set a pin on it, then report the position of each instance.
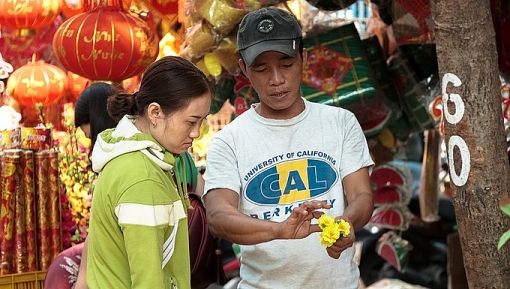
(130, 158)
(131, 165)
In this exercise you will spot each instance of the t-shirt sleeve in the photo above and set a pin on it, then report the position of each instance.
(222, 166)
(355, 153)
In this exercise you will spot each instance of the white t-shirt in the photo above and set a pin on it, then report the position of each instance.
(275, 165)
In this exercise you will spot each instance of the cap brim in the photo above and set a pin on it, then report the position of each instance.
(285, 46)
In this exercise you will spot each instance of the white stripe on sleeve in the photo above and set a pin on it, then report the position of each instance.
(149, 215)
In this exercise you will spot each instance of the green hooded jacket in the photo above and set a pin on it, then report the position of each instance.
(138, 233)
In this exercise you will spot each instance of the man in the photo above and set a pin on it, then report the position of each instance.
(277, 167)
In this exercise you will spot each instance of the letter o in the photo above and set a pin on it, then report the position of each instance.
(460, 179)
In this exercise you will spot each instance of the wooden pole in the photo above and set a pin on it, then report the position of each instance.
(428, 191)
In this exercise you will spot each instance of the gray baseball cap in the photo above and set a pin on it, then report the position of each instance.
(268, 29)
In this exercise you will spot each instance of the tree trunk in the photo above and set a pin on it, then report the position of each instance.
(474, 136)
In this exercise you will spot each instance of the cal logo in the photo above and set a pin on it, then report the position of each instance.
(291, 182)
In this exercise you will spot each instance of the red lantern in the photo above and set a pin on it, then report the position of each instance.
(105, 44)
(37, 82)
(28, 14)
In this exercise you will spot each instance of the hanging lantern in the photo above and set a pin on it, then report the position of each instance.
(37, 82)
(28, 14)
(105, 44)
(77, 84)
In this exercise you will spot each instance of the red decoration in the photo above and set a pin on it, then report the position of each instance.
(164, 7)
(28, 14)
(105, 44)
(37, 82)
(326, 68)
(18, 45)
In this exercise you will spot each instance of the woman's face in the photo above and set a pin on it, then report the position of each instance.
(86, 129)
(176, 132)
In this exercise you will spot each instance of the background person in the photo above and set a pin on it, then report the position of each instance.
(90, 112)
(274, 169)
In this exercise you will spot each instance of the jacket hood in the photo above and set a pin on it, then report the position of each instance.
(126, 138)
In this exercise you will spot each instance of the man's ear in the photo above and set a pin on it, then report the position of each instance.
(305, 56)
(242, 65)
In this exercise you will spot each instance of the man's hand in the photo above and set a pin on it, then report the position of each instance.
(342, 243)
(298, 224)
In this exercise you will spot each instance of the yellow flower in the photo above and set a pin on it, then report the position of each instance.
(76, 178)
(332, 230)
(343, 227)
(329, 235)
(325, 221)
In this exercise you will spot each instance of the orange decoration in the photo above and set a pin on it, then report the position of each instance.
(105, 44)
(10, 101)
(130, 85)
(28, 14)
(77, 84)
(37, 82)
(72, 7)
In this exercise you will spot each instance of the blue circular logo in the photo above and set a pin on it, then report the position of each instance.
(265, 26)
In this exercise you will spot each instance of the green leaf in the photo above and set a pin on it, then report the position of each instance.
(504, 204)
(503, 239)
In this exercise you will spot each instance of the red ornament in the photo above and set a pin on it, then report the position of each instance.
(28, 14)
(105, 44)
(37, 82)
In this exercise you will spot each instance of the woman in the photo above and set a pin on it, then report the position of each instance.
(92, 117)
(138, 226)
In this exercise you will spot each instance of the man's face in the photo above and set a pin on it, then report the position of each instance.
(277, 79)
